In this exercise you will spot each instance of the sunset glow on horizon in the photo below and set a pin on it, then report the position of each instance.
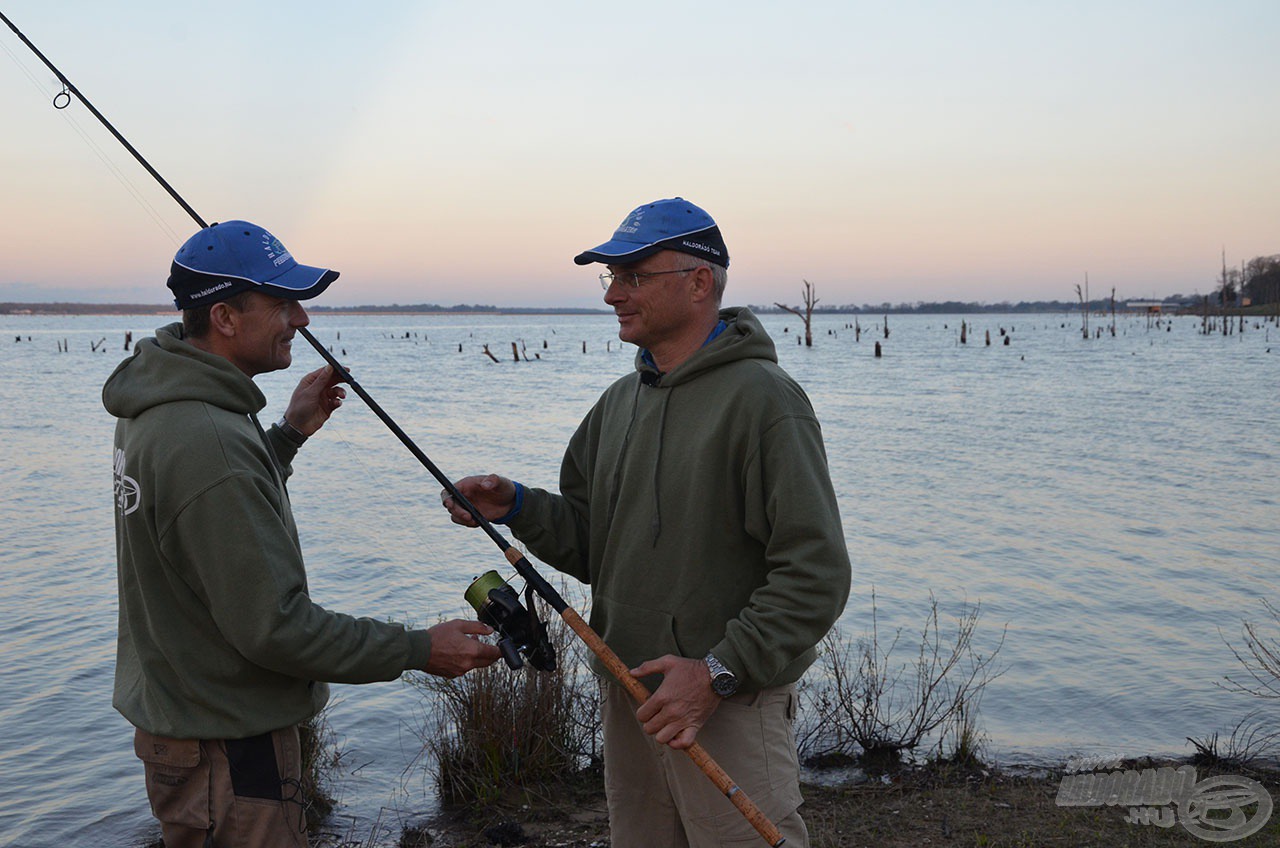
(452, 153)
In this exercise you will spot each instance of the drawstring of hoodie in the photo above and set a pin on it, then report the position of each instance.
(651, 380)
(277, 467)
(656, 525)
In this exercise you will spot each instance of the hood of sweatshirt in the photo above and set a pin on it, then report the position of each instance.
(167, 368)
(743, 338)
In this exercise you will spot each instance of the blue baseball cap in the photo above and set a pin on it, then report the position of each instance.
(234, 256)
(674, 224)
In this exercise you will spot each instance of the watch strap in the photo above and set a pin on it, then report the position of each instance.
(723, 681)
(290, 432)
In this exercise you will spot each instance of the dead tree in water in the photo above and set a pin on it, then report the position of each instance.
(807, 315)
(1084, 308)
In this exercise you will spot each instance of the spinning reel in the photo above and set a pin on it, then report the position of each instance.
(520, 631)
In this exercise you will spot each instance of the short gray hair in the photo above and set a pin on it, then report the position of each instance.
(719, 274)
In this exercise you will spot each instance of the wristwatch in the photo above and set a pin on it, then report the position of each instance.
(723, 681)
(290, 432)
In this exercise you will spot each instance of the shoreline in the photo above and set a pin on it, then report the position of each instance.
(908, 807)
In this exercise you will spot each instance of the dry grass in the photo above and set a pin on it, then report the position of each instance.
(321, 759)
(494, 734)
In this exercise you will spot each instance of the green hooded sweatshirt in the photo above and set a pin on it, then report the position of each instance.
(218, 638)
(699, 507)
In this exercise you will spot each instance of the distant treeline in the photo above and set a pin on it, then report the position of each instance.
(1255, 282)
(61, 308)
(948, 307)
(85, 309)
(462, 307)
(956, 307)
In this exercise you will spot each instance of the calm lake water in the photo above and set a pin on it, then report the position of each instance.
(1111, 502)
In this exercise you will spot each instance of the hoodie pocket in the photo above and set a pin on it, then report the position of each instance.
(634, 633)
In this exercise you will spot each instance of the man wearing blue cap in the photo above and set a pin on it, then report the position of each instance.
(221, 652)
(696, 501)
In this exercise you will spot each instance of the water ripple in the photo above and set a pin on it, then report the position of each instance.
(1097, 499)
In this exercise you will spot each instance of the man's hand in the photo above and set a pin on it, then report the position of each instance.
(675, 713)
(455, 650)
(494, 496)
(314, 400)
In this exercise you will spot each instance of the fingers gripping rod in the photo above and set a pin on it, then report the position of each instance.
(637, 690)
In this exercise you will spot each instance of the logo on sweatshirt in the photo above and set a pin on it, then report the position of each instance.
(126, 488)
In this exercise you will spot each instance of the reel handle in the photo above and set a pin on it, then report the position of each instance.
(510, 654)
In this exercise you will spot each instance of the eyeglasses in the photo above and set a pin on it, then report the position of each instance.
(633, 278)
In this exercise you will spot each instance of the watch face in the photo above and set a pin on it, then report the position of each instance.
(724, 684)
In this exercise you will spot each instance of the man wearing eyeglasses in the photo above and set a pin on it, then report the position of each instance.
(696, 501)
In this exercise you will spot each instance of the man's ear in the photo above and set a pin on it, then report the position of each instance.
(223, 319)
(702, 283)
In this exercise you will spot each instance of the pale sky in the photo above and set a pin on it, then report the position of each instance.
(464, 152)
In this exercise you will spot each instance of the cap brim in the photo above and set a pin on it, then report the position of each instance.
(301, 282)
(617, 252)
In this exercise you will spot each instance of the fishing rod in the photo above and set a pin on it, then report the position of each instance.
(766, 828)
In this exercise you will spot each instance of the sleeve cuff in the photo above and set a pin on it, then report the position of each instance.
(286, 448)
(516, 507)
(419, 649)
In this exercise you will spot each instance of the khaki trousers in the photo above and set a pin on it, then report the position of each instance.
(226, 793)
(658, 797)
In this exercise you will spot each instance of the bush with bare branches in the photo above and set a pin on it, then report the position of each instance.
(1260, 659)
(1257, 734)
(868, 703)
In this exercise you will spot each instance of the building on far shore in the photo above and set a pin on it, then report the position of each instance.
(1152, 307)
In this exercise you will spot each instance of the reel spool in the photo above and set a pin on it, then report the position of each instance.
(520, 631)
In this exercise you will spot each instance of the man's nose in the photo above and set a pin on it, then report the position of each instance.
(616, 293)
